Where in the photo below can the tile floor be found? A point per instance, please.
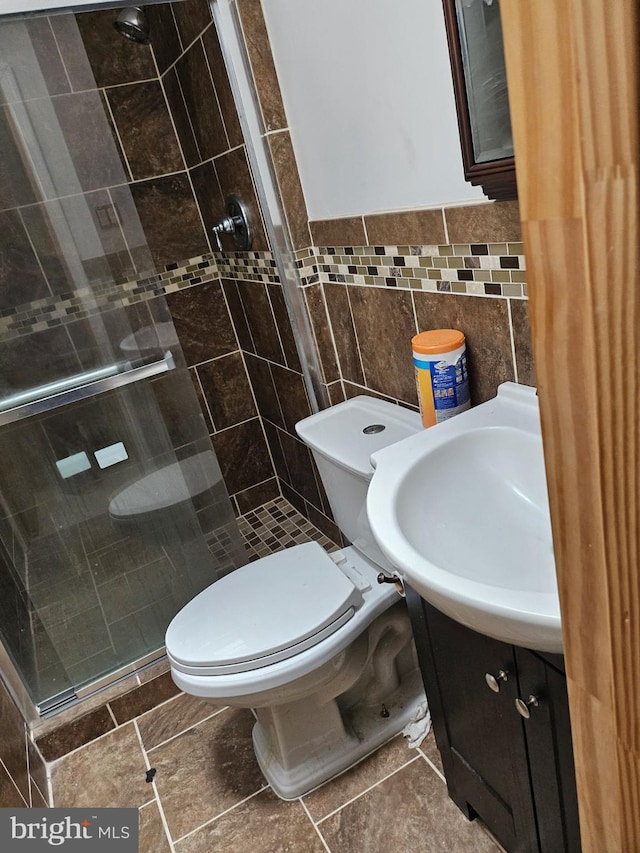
(208, 793)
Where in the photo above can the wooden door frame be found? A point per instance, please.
(572, 69)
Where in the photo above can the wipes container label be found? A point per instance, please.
(443, 385)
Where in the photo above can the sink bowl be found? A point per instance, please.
(461, 511)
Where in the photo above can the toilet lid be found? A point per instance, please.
(265, 611)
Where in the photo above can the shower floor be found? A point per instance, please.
(277, 525)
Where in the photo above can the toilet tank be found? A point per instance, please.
(342, 439)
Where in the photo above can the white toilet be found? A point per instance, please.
(321, 652)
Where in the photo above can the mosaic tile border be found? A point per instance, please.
(474, 269)
(87, 301)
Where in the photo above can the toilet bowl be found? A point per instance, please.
(321, 652)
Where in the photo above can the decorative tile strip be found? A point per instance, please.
(479, 269)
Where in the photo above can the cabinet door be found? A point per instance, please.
(479, 732)
(548, 736)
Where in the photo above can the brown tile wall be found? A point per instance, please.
(23, 775)
(363, 333)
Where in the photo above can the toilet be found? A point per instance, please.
(319, 650)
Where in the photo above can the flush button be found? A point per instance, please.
(373, 428)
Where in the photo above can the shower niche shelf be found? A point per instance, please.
(80, 386)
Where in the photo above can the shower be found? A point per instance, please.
(133, 24)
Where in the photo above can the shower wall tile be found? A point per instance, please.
(286, 169)
(145, 129)
(170, 218)
(202, 322)
(283, 323)
(178, 109)
(234, 177)
(201, 102)
(21, 278)
(114, 59)
(290, 388)
(263, 68)
(243, 455)
(227, 390)
(209, 197)
(192, 17)
(48, 56)
(257, 309)
(238, 316)
(297, 457)
(37, 220)
(264, 389)
(73, 52)
(164, 37)
(222, 86)
(93, 151)
(257, 496)
(17, 184)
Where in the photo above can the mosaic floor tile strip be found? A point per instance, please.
(277, 525)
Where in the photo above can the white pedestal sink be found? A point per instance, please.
(461, 510)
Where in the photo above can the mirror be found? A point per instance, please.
(474, 33)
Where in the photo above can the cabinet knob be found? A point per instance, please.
(522, 707)
(494, 680)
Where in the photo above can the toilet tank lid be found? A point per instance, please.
(261, 609)
(347, 434)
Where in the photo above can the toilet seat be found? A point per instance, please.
(165, 487)
(265, 612)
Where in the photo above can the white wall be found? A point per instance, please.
(369, 99)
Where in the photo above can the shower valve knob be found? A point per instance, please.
(236, 223)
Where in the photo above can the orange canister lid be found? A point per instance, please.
(437, 340)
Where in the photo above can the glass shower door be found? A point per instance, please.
(113, 511)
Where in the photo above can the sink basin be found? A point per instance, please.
(461, 510)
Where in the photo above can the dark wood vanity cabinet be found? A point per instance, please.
(516, 774)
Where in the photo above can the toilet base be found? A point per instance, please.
(337, 739)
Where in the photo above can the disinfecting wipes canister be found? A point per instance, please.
(440, 361)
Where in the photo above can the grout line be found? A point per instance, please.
(113, 716)
(204, 396)
(163, 817)
(226, 811)
(184, 49)
(355, 334)
(315, 825)
(432, 765)
(364, 227)
(215, 91)
(107, 106)
(370, 788)
(446, 228)
(513, 342)
(62, 62)
(188, 729)
(14, 784)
